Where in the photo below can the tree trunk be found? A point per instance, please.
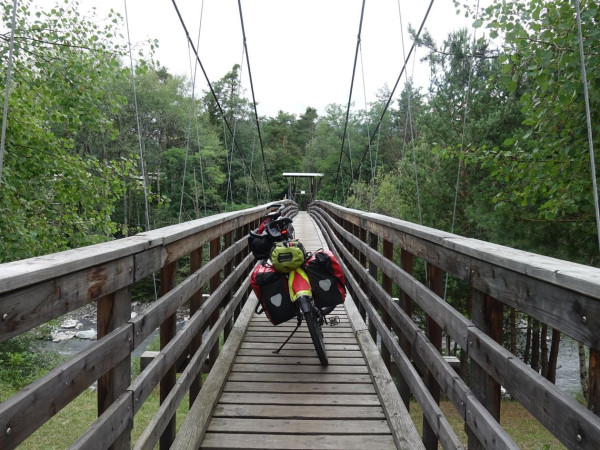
(544, 348)
(583, 370)
(527, 341)
(513, 331)
(535, 346)
(553, 360)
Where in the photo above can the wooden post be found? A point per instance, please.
(386, 282)
(407, 262)
(168, 329)
(373, 272)
(195, 303)
(486, 314)
(226, 272)
(434, 334)
(594, 382)
(113, 311)
(215, 248)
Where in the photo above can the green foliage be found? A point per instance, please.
(21, 362)
(54, 196)
(545, 164)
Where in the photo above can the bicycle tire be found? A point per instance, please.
(316, 334)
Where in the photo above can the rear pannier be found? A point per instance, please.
(326, 279)
(271, 288)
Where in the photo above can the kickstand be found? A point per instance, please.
(289, 337)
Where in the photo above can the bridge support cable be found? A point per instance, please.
(373, 168)
(262, 151)
(140, 140)
(462, 140)
(7, 92)
(387, 105)
(362, 12)
(193, 73)
(409, 122)
(212, 90)
(235, 113)
(195, 116)
(588, 117)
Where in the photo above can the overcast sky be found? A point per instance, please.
(301, 51)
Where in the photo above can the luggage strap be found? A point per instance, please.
(290, 336)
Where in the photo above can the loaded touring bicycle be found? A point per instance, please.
(291, 283)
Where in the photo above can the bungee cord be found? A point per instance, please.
(8, 81)
(588, 118)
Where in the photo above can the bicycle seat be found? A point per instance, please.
(278, 229)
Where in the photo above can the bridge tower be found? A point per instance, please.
(305, 191)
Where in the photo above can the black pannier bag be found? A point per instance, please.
(261, 246)
(326, 279)
(271, 288)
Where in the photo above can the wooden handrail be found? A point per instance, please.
(562, 294)
(38, 290)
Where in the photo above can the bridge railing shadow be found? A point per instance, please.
(381, 256)
(38, 290)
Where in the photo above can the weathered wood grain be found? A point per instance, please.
(36, 304)
(293, 441)
(573, 424)
(30, 408)
(299, 411)
(298, 427)
(425, 354)
(287, 368)
(322, 399)
(169, 405)
(403, 430)
(109, 428)
(194, 426)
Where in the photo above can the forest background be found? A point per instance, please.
(513, 168)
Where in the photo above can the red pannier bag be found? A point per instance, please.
(326, 279)
(271, 288)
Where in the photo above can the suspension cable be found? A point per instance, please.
(254, 99)
(588, 117)
(362, 11)
(397, 81)
(409, 122)
(210, 86)
(140, 142)
(193, 73)
(236, 110)
(8, 80)
(196, 115)
(139, 126)
(362, 68)
(462, 140)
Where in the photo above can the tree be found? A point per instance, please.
(54, 195)
(545, 163)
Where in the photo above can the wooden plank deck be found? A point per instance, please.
(289, 401)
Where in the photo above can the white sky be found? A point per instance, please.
(301, 51)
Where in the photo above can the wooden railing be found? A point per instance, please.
(380, 254)
(38, 290)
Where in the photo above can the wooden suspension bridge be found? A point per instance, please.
(380, 357)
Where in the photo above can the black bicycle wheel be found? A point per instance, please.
(316, 334)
